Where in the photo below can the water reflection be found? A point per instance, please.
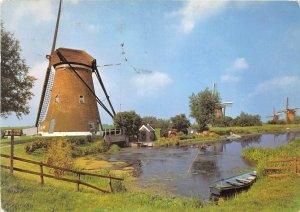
(190, 171)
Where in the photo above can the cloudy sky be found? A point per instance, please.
(174, 48)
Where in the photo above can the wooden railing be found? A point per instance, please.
(292, 167)
(42, 174)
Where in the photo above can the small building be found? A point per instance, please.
(146, 133)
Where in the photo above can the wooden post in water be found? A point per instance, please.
(42, 174)
(12, 153)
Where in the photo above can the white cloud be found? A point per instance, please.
(195, 11)
(239, 64)
(231, 73)
(41, 10)
(276, 84)
(230, 78)
(147, 84)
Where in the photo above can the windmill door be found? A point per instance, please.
(52, 124)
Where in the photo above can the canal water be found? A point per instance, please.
(189, 171)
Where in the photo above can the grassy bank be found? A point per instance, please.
(23, 192)
(265, 128)
(220, 133)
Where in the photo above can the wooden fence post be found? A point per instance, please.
(78, 183)
(295, 158)
(110, 185)
(42, 174)
(12, 153)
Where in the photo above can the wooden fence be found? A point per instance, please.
(42, 174)
(292, 167)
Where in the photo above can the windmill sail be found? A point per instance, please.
(48, 82)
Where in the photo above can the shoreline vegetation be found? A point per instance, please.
(22, 192)
(219, 134)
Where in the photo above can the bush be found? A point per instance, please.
(114, 148)
(36, 144)
(247, 120)
(97, 147)
(59, 154)
(223, 122)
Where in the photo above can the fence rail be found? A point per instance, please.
(293, 167)
(42, 174)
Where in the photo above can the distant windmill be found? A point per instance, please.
(290, 112)
(275, 116)
(220, 108)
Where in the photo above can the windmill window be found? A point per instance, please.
(91, 125)
(56, 99)
(81, 99)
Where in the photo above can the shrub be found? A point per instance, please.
(36, 144)
(97, 147)
(59, 154)
(247, 120)
(223, 122)
(114, 148)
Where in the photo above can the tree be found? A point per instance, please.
(180, 123)
(202, 106)
(129, 122)
(15, 81)
(223, 121)
(245, 119)
(164, 125)
(153, 121)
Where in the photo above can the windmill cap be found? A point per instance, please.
(72, 56)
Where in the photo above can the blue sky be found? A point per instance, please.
(249, 49)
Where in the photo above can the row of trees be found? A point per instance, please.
(130, 122)
(242, 120)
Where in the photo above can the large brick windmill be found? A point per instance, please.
(290, 112)
(68, 104)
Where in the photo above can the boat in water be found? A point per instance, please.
(233, 184)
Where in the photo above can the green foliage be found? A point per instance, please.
(180, 123)
(59, 154)
(36, 144)
(162, 124)
(202, 106)
(15, 81)
(93, 148)
(224, 121)
(114, 148)
(129, 122)
(297, 120)
(245, 119)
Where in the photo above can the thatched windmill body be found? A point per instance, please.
(290, 112)
(220, 109)
(68, 104)
(275, 116)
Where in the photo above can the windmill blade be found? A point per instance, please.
(103, 88)
(48, 68)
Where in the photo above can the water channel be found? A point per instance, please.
(189, 171)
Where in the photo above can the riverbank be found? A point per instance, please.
(220, 134)
(23, 192)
